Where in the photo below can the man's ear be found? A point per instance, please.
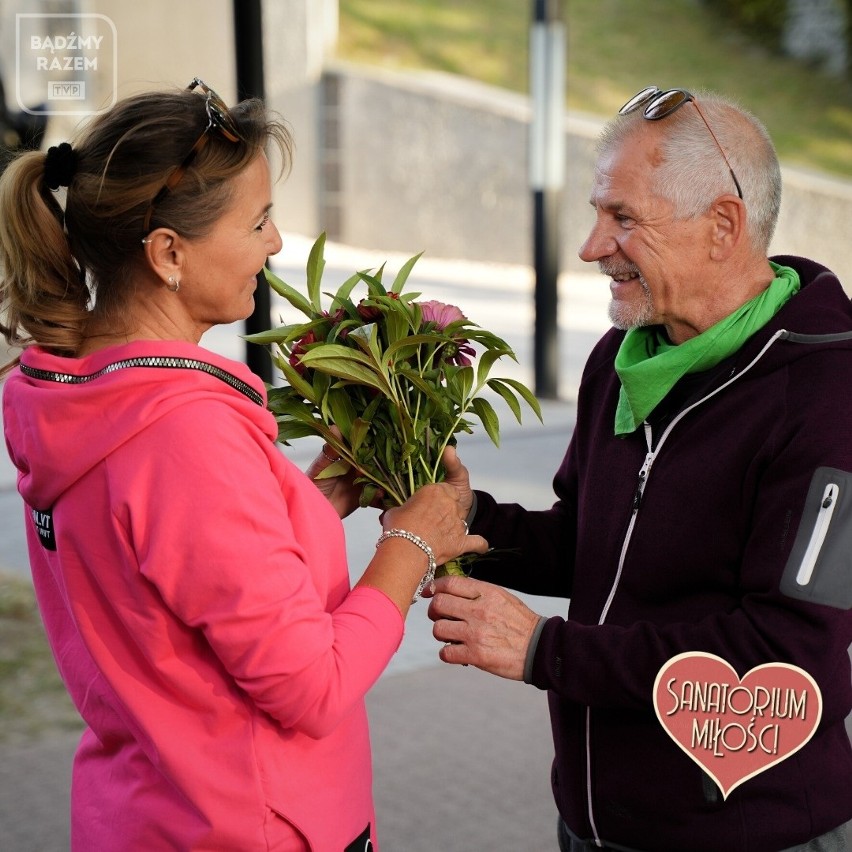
(165, 253)
(728, 217)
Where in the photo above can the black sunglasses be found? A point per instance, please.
(658, 104)
(219, 119)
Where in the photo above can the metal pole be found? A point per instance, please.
(547, 166)
(248, 40)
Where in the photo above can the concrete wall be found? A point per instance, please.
(438, 163)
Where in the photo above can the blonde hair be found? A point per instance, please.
(61, 265)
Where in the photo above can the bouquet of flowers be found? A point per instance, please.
(395, 375)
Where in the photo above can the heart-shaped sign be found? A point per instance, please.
(735, 728)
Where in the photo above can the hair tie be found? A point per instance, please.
(60, 166)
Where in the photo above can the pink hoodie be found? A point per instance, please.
(194, 588)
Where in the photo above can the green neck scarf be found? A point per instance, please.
(649, 366)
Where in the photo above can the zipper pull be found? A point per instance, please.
(637, 497)
(827, 505)
(643, 476)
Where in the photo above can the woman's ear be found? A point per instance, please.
(729, 223)
(164, 251)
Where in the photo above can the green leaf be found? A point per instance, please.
(359, 432)
(400, 348)
(314, 270)
(485, 412)
(421, 384)
(343, 413)
(489, 341)
(510, 398)
(318, 354)
(398, 320)
(527, 394)
(373, 407)
(404, 272)
(338, 468)
(290, 430)
(263, 338)
(293, 296)
(372, 352)
(346, 363)
(486, 362)
(297, 382)
(281, 334)
(346, 288)
(373, 282)
(461, 381)
(369, 492)
(320, 383)
(296, 409)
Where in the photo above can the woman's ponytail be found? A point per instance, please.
(43, 294)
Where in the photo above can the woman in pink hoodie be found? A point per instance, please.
(193, 582)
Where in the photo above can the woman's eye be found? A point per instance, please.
(263, 221)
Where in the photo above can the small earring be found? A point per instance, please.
(145, 240)
(174, 285)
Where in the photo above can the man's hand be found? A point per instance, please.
(456, 475)
(483, 625)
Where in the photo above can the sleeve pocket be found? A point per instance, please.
(819, 569)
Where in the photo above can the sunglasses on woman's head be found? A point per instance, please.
(658, 104)
(219, 119)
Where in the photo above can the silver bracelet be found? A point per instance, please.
(430, 555)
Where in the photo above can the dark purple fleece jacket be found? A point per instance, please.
(688, 555)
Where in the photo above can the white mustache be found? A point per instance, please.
(614, 270)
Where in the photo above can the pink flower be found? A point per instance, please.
(440, 314)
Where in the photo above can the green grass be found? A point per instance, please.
(33, 700)
(614, 47)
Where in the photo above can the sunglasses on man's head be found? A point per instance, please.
(658, 104)
(219, 119)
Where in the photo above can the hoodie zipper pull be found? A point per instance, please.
(637, 497)
(640, 486)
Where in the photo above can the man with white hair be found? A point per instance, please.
(711, 451)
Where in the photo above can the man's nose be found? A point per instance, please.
(597, 245)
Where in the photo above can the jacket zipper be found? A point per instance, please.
(650, 455)
(820, 530)
(644, 472)
(161, 361)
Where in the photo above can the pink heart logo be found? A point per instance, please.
(735, 728)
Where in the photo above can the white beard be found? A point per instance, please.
(626, 315)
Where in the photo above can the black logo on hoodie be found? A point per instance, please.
(44, 527)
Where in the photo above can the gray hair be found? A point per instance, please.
(692, 173)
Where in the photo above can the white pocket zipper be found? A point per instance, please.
(823, 521)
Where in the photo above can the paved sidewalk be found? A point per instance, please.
(461, 765)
